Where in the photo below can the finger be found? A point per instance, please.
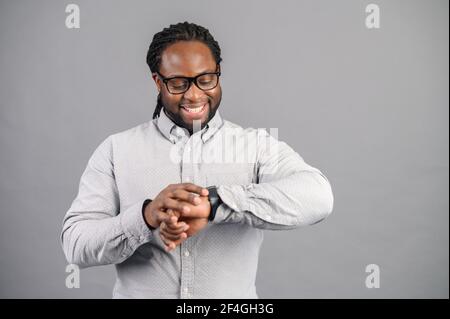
(184, 195)
(174, 237)
(171, 219)
(197, 213)
(194, 188)
(176, 228)
(174, 213)
(173, 204)
(169, 245)
(169, 237)
(164, 240)
(161, 217)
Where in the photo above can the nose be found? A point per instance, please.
(194, 93)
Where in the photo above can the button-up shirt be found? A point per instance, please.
(263, 183)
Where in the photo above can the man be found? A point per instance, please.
(167, 204)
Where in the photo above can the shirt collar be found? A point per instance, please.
(173, 132)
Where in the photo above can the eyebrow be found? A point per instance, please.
(184, 76)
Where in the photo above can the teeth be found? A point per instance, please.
(195, 109)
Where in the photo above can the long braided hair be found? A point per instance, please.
(183, 31)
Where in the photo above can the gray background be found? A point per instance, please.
(367, 107)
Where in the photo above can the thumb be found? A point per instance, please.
(171, 217)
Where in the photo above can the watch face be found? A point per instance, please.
(212, 191)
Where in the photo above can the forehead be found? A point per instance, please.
(187, 58)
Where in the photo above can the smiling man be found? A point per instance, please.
(181, 64)
(164, 203)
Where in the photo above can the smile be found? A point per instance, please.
(194, 109)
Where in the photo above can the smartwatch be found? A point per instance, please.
(214, 200)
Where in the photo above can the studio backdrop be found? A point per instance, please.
(358, 88)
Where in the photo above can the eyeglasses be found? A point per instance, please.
(180, 84)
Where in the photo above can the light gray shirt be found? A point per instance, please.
(263, 183)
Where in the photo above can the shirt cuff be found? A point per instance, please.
(134, 225)
(222, 212)
(234, 199)
(234, 196)
(146, 202)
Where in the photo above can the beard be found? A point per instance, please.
(178, 120)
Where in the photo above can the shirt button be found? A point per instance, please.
(186, 253)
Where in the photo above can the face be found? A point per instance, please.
(188, 58)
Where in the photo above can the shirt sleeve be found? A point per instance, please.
(94, 231)
(289, 193)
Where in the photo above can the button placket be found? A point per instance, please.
(187, 266)
(189, 174)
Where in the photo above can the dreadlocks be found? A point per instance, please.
(183, 31)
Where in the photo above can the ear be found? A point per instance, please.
(157, 81)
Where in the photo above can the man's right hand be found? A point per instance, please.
(174, 231)
(176, 197)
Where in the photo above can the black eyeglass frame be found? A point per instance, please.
(190, 80)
